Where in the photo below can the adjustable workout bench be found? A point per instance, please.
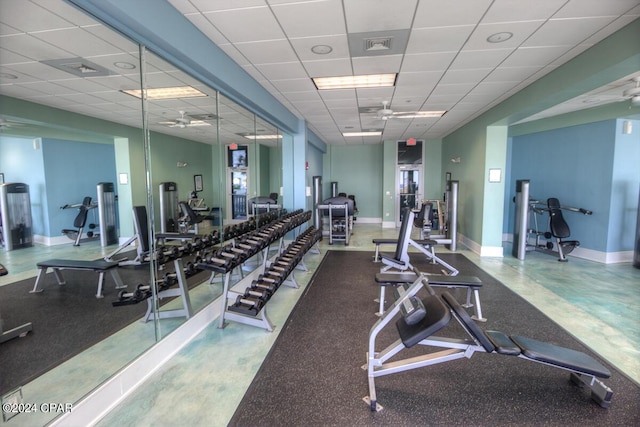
(439, 310)
(99, 266)
(400, 260)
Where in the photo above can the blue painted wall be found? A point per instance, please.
(586, 166)
(21, 161)
(72, 170)
(625, 185)
(58, 172)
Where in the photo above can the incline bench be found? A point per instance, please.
(584, 370)
(99, 266)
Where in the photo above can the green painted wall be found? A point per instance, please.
(358, 171)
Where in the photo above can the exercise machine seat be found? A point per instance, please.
(437, 317)
(189, 214)
(80, 221)
(559, 228)
(81, 218)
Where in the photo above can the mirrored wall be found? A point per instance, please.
(63, 134)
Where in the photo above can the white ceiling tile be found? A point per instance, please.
(378, 15)
(338, 43)
(424, 79)
(183, 6)
(516, 10)
(77, 42)
(566, 31)
(327, 18)
(479, 58)
(6, 30)
(208, 5)
(520, 30)
(233, 23)
(438, 61)
(452, 89)
(312, 95)
(283, 71)
(294, 85)
(272, 41)
(467, 77)
(432, 13)
(366, 94)
(267, 52)
(27, 16)
(376, 64)
(535, 55)
(583, 8)
(329, 68)
(511, 74)
(32, 47)
(445, 39)
(203, 24)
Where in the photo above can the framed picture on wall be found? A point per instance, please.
(197, 182)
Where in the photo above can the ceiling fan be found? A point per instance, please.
(6, 124)
(633, 93)
(387, 113)
(180, 122)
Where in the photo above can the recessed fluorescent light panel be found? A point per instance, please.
(262, 136)
(374, 133)
(352, 82)
(420, 114)
(177, 92)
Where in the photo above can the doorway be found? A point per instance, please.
(409, 177)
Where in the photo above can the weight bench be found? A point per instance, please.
(585, 371)
(471, 283)
(99, 266)
(400, 260)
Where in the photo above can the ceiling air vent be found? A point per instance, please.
(79, 67)
(380, 43)
(373, 43)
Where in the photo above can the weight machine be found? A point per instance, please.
(443, 227)
(80, 221)
(16, 224)
(528, 236)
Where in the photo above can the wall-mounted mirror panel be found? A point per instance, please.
(63, 134)
(69, 132)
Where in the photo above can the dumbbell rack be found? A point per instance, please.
(229, 257)
(181, 291)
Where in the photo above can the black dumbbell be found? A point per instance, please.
(264, 286)
(261, 294)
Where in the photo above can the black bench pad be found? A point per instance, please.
(560, 356)
(99, 265)
(434, 279)
(436, 318)
(422, 242)
(503, 343)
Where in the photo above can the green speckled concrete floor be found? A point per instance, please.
(202, 385)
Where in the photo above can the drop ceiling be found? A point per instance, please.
(447, 62)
